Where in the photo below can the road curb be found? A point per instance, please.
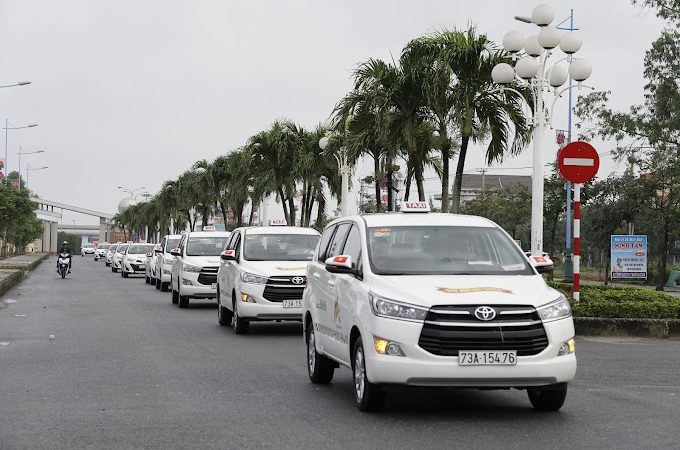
(12, 274)
(647, 328)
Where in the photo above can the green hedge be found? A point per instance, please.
(624, 302)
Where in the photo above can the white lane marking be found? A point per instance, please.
(578, 162)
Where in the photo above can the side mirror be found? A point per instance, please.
(176, 252)
(228, 255)
(340, 264)
(540, 265)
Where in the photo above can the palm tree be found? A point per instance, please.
(480, 108)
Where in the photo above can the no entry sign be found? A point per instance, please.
(578, 162)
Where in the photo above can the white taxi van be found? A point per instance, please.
(194, 269)
(423, 299)
(134, 260)
(263, 274)
(163, 260)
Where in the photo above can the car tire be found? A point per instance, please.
(369, 396)
(114, 270)
(107, 264)
(183, 301)
(175, 297)
(123, 273)
(164, 287)
(319, 368)
(550, 398)
(224, 316)
(240, 325)
(158, 284)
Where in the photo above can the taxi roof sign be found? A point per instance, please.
(413, 207)
(278, 223)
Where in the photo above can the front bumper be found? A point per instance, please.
(421, 368)
(190, 287)
(135, 268)
(263, 309)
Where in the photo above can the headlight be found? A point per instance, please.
(558, 309)
(190, 268)
(396, 310)
(252, 278)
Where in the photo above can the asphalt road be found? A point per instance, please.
(130, 370)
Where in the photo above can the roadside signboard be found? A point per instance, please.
(628, 256)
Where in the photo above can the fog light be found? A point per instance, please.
(567, 348)
(186, 282)
(385, 347)
(247, 298)
(166, 272)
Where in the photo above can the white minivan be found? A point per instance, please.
(423, 299)
(134, 260)
(163, 260)
(194, 269)
(263, 274)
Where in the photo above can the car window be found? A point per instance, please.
(206, 245)
(138, 249)
(444, 250)
(103, 246)
(323, 244)
(336, 244)
(279, 247)
(170, 244)
(122, 248)
(353, 245)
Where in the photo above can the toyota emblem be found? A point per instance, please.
(485, 313)
(298, 280)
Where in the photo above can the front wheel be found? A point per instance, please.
(549, 398)
(239, 324)
(319, 368)
(369, 396)
(63, 272)
(175, 297)
(224, 316)
(147, 280)
(183, 301)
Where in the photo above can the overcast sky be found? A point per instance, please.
(132, 92)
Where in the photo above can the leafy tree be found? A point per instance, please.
(19, 225)
(509, 207)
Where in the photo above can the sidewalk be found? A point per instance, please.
(14, 269)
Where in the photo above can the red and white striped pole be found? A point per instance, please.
(577, 241)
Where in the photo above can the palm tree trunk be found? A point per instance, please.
(377, 178)
(291, 210)
(283, 203)
(446, 156)
(252, 212)
(322, 209)
(225, 216)
(420, 180)
(458, 182)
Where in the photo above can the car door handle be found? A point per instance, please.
(316, 275)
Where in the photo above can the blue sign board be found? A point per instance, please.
(629, 256)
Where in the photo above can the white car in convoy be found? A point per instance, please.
(425, 299)
(109, 254)
(194, 269)
(150, 265)
(87, 249)
(263, 274)
(117, 259)
(134, 259)
(163, 261)
(101, 251)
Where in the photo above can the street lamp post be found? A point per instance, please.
(344, 169)
(531, 69)
(7, 128)
(22, 152)
(133, 192)
(31, 169)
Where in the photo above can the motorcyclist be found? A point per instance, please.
(66, 249)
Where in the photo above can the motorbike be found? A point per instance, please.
(62, 265)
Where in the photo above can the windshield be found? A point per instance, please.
(88, 245)
(280, 247)
(206, 245)
(139, 249)
(172, 243)
(103, 246)
(445, 250)
(113, 248)
(122, 248)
